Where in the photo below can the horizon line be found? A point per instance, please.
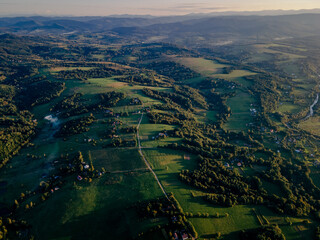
(155, 15)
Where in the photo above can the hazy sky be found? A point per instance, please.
(153, 7)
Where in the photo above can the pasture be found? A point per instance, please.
(289, 108)
(59, 69)
(203, 66)
(284, 53)
(97, 209)
(311, 125)
(240, 106)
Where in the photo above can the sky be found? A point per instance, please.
(145, 7)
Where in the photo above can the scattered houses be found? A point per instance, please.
(160, 135)
(135, 101)
(185, 236)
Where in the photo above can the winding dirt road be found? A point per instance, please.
(146, 162)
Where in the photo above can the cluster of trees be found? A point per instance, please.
(75, 165)
(265, 88)
(156, 208)
(226, 187)
(74, 105)
(85, 168)
(16, 130)
(266, 232)
(182, 97)
(41, 92)
(75, 126)
(171, 208)
(167, 118)
(170, 98)
(205, 215)
(228, 70)
(142, 79)
(17, 126)
(198, 100)
(13, 229)
(172, 70)
(129, 130)
(135, 101)
(71, 106)
(34, 79)
(110, 99)
(114, 129)
(119, 142)
(101, 72)
(204, 139)
(317, 233)
(218, 103)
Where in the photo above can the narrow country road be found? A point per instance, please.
(146, 162)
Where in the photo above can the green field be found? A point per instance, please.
(260, 57)
(289, 108)
(201, 65)
(206, 116)
(311, 125)
(240, 107)
(266, 48)
(149, 133)
(94, 207)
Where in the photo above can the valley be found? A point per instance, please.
(125, 139)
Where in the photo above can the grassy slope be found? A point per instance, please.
(97, 209)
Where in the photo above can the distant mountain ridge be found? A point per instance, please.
(232, 27)
(173, 28)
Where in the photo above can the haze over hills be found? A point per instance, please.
(214, 13)
(176, 29)
(233, 28)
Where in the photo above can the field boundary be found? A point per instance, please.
(146, 162)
